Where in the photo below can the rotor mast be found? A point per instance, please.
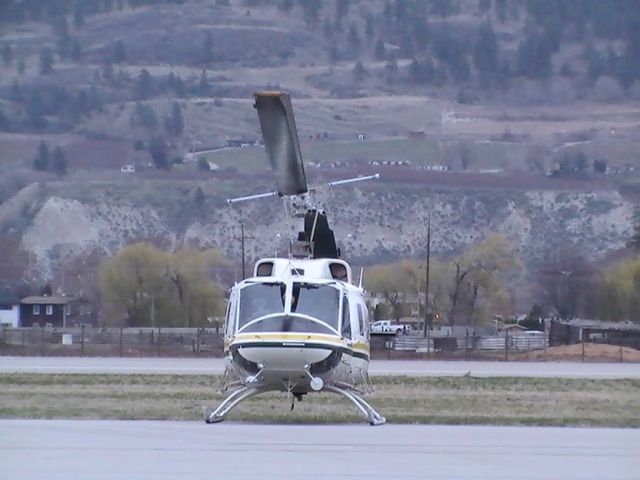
(285, 158)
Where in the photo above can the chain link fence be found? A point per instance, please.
(92, 341)
(185, 342)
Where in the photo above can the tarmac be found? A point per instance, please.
(62, 449)
(194, 366)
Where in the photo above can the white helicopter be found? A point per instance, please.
(299, 324)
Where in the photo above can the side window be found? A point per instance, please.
(36, 309)
(361, 320)
(49, 310)
(230, 316)
(346, 318)
(365, 313)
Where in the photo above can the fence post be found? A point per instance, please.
(506, 346)
(24, 334)
(120, 342)
(42, 341)
(621, 353)
(81, 340)
(583, 347)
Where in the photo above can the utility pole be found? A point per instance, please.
(242, 239)
(427, 309)
(242, 246)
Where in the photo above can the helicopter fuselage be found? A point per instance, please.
(297, 320)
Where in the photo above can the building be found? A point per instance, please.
(128, 169)
(54, 311)
(566, 332)
(242, 142)
(417, 135)
(9, 310)
(49, 311)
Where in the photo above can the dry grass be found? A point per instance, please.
(466, 400)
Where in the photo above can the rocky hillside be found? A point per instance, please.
(477, 87)
(375, 223)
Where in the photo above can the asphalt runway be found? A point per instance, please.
(192, 366)
(61, 449)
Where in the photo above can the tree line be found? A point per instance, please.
(483, 282)
(145, 285)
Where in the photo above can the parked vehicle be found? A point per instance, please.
(385, 326)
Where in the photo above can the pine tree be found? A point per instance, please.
(59, 161)
(199, 198)
(119, 52)
(634, 241)
(46, 61)
(285, 5)
(41, 162)
(174, 123)
(379, 51)
(354, 36)
(485, 51)
(342, 8)
(78, 15)
(203, 165)
(159, 154)
(203, 84)
(144, 85)
(145, 115)
(311, 10)
(327, 28)
(501, 10)
(7, 54)
(359, 72)
(484, 6)
(207, 48)
(369, 26)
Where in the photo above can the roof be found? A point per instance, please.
(512, 326)
(46, 300)
(601, 325)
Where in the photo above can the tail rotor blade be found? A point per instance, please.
(281, 141)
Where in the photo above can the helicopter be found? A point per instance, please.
(299, 324)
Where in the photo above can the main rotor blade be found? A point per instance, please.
(281, 141)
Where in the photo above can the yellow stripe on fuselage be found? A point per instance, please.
(289, 337)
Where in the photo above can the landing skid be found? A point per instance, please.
(242, 393)
(373, 417)
(231, 401)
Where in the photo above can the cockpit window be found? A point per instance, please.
(317, 301)
(261, 299)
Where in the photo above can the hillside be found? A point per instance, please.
(506, 115)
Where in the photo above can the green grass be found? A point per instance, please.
(448, 400)
(418, 152)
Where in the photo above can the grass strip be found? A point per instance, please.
(423, 400)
